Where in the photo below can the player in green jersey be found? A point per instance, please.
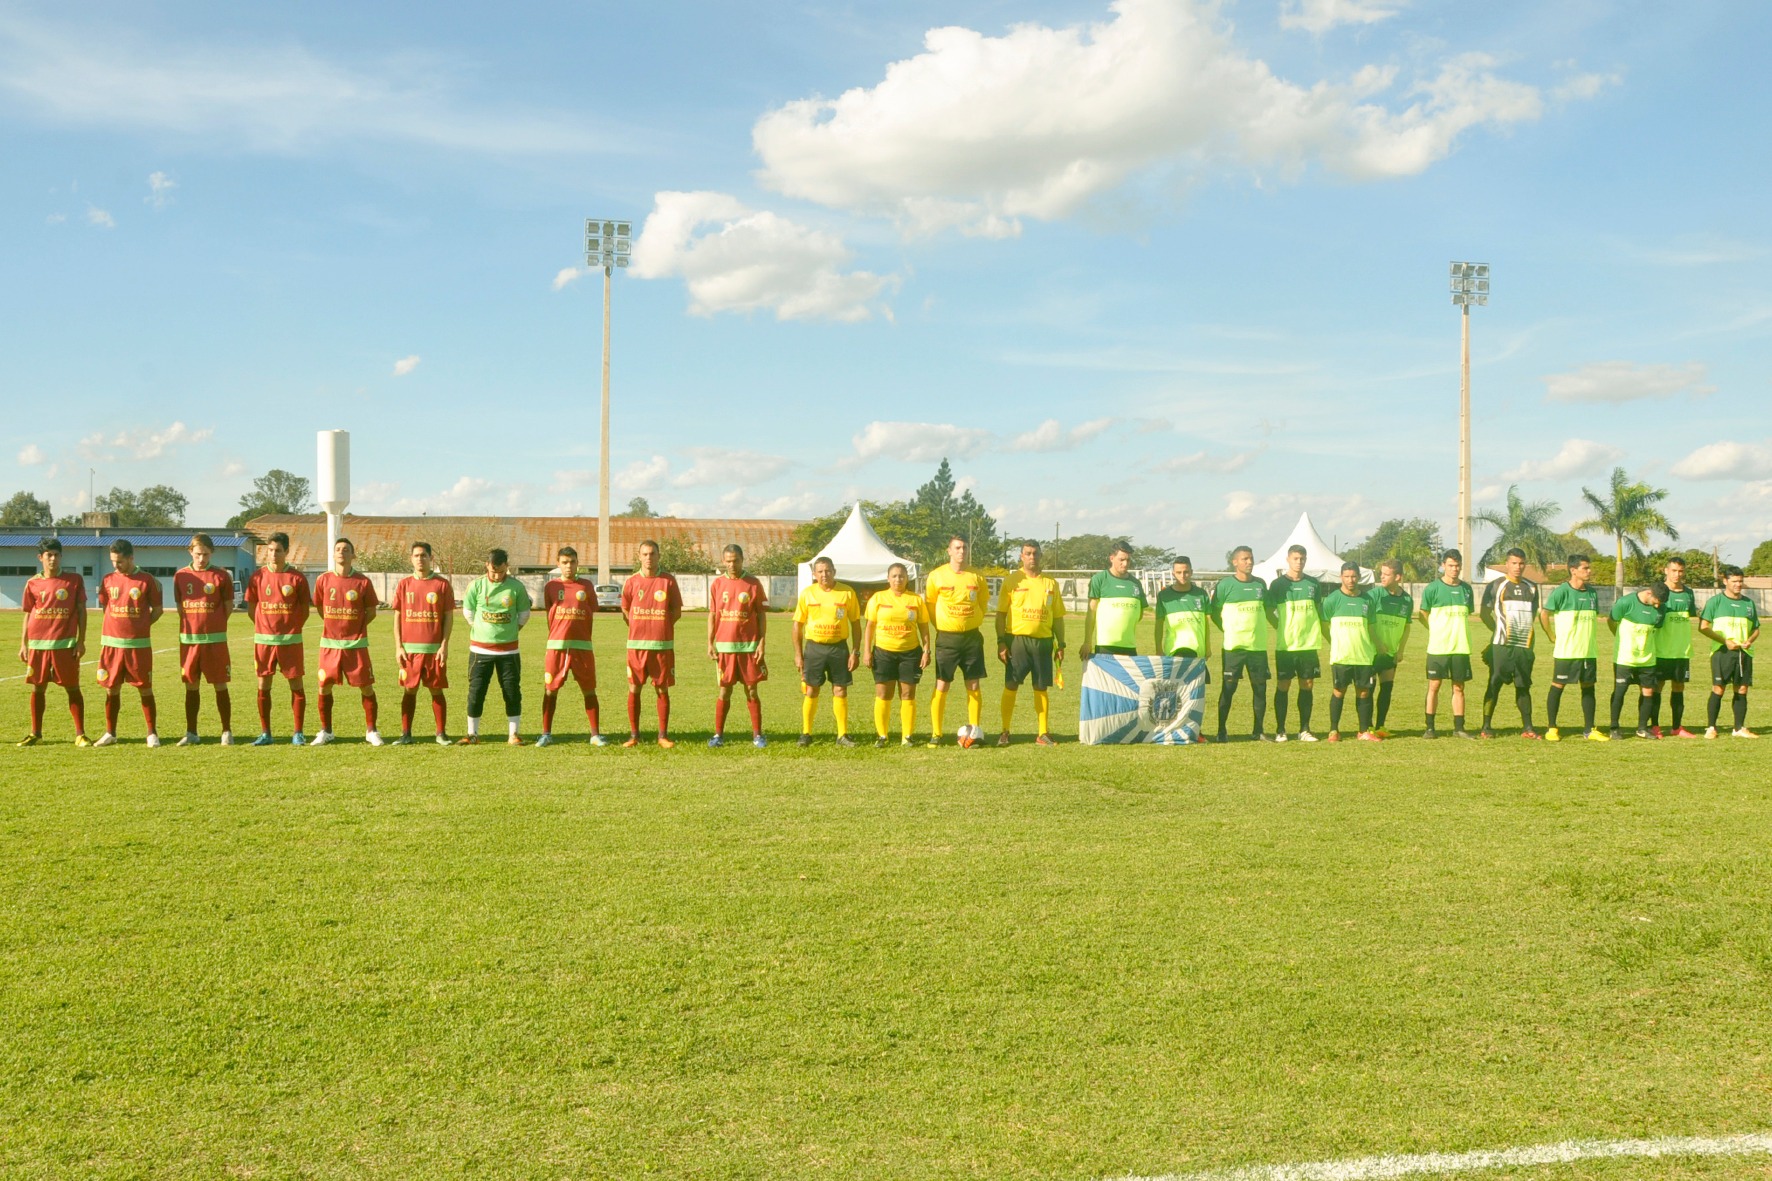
(1447, 604)
(1731, 622)
(1635, 619)
(1116, 604)
(1298, 632)
(1673, 648)
(1184, 614)
(1353, 649)
(1568, 617)
(1238, 611)
(1394, 607)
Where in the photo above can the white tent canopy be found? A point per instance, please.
(1320, 560)
(859, 553)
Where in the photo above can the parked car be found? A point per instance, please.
(609, 597)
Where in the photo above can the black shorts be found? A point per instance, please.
(825, 661)
(1357, 675)
(1303, 665)
(963, 651)
(1236, 662)
(1030, 659)
(1732, 667)
(1383, 664)
(1112, 650)
(1674, 669)
(1507, 663)
(1189, 654)
(1449, 666)
(1636, 674)
(904, 667)
(1581, 672)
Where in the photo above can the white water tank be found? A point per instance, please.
(333, 483)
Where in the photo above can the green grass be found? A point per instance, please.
(1068, 963)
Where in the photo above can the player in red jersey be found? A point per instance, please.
(347, 602)
(651, 603)
(279, 600)
(737, 627)
(130, 601)
(424, 616)
(54, 639)
(204, 596)
(571, 604)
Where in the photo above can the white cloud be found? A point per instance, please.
(233, 469)
(1576, 457)
(1319, 16)
(30, 455)
(979, 132)
(160, 188)
(572, 480)
(721, 465)
(1623, 381)
(1202, 461)
(1727, 461)
(1699, 250)
(100, 218)
(1581, 87)
(56, 219)
(142, 442)
(737, 260)
(283, 99)
(405, 365)
(468, 496)
(1052, 436)
(918, 442)
(642, 475)
(1238, 505)
(566, 275)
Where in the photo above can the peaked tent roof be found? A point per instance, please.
(1320, 560)
(859, 553)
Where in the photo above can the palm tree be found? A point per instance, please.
(1522, 525)
(1629, 514)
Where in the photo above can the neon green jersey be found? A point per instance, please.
(1292, 608)
(1183, 616)
(1391, 623)
(1734, 619)
(1574, 612)
(1242, 617)
(1674, 640)
(1119, 604)
(1350, 627)
(1449, 608)
(1637, 624)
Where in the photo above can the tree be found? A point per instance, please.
(158, 507)
(25, 511)
(1414, 542)
(677, 554)
(918, 528)
(1523, 526)
(637, 507)
(1627, 512)
(777, 559)
(1761, 562)
(275, 492)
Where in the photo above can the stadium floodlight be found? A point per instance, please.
(1470, 288)
(608, 244)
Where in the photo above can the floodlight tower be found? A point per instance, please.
(1470, 288)
(606, 245)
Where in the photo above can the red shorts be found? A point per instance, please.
(126, 666)
(205, 662)
(288, 659)
(349, 666)
(53, 666)
(423, 668)
(741, 668)
(649, 664)
(582, 664)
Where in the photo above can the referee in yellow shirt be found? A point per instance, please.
(1030, 637)
(957, 600)
(827, 638)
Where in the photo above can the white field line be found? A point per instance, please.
(83, 664)
(1370, 1167)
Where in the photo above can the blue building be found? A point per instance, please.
(160, 552)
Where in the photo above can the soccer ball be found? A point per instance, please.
(969, 736)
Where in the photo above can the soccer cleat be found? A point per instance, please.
(153, 739)
(190, 739)
(880, 743)
(599, 740)
(804, 740)
(1270, 738)
(1003, 738)
(1529, 734)
(1333, 736)
(666, 743)
(1429, 733)
(715, 743)
(1744, 732)
(758, 741)
(1643, 732)
(468, 740)
(1306, 736)
(1655, 730)
(372, 737)
(81, 740)
(514, 740)
(322, 738)
(1553, 735)
(1382, 732)
(1044, 740)
(1485, 732)
(298, 739)
(264, 739)
(106, 739)
(1466, 734)
(633, 741)
(906, 742)
(403, 740)
(444, 740)
(935, 740)
(1616, 735)
(1598, 735)
(843, 740)
(1370, 736)
(1280, 737)
(546, 739)
(1222, 737)
(227, 738)
(30, 740)
(1682, 732)
(1710, 731)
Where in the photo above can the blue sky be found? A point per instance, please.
(1159, 267)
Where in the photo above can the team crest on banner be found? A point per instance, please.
(1128, 699)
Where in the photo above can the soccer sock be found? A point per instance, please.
(408, 707)
(77, 707)
(755, 706)
(1740, 704)
(974, 706)
(513, 723)
(298, 698)
(473, 727)
(1042, 711)
(1712, 708)
(151, 714)
(38, 700)
(1384, 701)
(664, 712)
(325, 712)
(938, 704)
(439, 711)
(1490, 696)
(1008, 708)
(592, 717)
(1363, 708)
(1588, 705)
(112, 705)
(1458, 721)
(370, 710)
(1258, 703)
(840, 708)
(722, 703)
(882, 716)
(1553, 701)
(224, 707)
(634, 712)
(1645, 710)
(1676, 705)
(1224, 704)
(808, 711)
(193, 703)
(1617, 703)
(264, 711)
(1305, 699)
(1335, 704)
(907, 716)
(1655, 711)
(547, 712)
(1430, 720)
(1282, 698)
(1523, 703)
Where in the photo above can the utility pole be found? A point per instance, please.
(606, 246)
(1470, 288)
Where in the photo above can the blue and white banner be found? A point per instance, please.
(1160, 699)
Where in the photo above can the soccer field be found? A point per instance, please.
(1071, 963)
